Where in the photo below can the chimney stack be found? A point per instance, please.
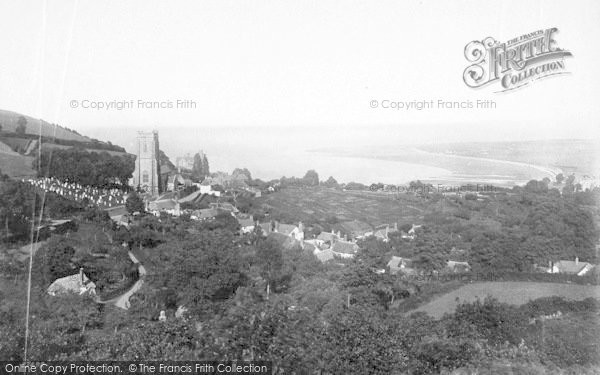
(81, 275)
(396, 225)
(576, 260)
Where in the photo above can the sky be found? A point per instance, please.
(314, 65)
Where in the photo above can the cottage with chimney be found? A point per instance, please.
(78, 283)
(570, 267)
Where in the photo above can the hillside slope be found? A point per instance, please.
(17, 151)
(8, 120)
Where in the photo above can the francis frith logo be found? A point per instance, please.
(515, 63)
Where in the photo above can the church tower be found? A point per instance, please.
(147, 173)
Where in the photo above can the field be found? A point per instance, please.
(16, 165)
(514, 293)
(343, 210)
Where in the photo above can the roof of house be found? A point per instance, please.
(70, 284)
(286, 229)
(326, 236)
(285, 241)
(344, 247)
(167, 204)
(324, 255)
(206, 213)
(570, 266)
(190, 197)
(176, 178)
(395, 262)
(248, 222)
(383, 232)
(266, 227)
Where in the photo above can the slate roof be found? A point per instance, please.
(286, 229)
(206, 213)
(326, 236)
(249, 222)
(571, 267)
(71, 284)
(167, 204)
(344, 247)
(396, 262)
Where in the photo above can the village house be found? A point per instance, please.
(383, 234)
(570, 267)
(399, 264)
(78, 283)
(177, 182)
(344, 249)
(247, 225)
(296, 232)
(170, 206)
(206, 188)
(266, 228)
(411, 234)
(327, 238)
(204, 214)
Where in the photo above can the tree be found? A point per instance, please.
(200, 168)
(134, 203)
(239, 171)
(98, 169)
(21, 125)
(270, 259)
(560, 178)
(331, 182)
(54, 260)
(311, 178)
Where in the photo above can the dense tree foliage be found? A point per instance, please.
(200, 167)
(99, 169)
(134, 203)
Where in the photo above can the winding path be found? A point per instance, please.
(122, 301)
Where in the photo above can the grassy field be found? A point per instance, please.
(16, 166)
(340, 209)
(514, 293)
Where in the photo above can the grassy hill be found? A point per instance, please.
(9, 119)
(17, 151)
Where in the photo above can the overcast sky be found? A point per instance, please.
(293, 64)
